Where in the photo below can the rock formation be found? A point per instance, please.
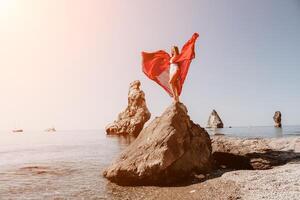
(168, 150)
(257, 153)
(277, 119)
(214, 121)
(132, 120)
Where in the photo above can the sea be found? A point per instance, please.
(69, 164)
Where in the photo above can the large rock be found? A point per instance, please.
(132, 120)
(255, 153)
(277, 119)
(168, 150)
(214, 121)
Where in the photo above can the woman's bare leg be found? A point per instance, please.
(173, 84)
(176, 91)
(172, 89)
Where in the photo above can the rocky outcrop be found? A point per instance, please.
(277, 119)
(168, 150)
(258, 153)
(214, 121)
(132, 120)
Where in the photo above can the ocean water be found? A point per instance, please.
(257, 131)
(68, 164)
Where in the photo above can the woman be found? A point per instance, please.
(174, 73)
(170, 71)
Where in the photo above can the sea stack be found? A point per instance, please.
(214, 121)
(167, 151)
(131, 121)
(277, 119)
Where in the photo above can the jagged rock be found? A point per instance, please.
(214, 121)
(168, 150)
(255, 153)
(277, 119)
(132, 120)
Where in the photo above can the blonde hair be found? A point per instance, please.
(174, 50)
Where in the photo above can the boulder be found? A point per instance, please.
(254, 153)
(131, 121)
(167, 151)
(277, 119)
(214, 121)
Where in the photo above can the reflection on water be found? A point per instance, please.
(68, 165)
(123, 139)
(278, 132)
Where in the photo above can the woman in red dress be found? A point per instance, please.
(170, 72)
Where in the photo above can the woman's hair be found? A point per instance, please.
(175, 50)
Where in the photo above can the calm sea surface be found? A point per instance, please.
(68, 164)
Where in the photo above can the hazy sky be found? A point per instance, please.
(69, 63)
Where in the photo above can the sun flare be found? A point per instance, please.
(6, 7)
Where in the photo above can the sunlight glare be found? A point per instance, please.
(6, 7)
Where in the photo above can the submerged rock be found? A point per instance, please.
(168, 150)
(254, 153)
(132, 120)
(214, 121)
(277, 119)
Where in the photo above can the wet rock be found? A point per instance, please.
(220, 134)
(214, 121)
(277, 119)
(132, 120)
(256, 153)
(168, 150)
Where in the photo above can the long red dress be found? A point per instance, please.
(156, 65)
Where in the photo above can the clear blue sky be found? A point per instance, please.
(69, 63)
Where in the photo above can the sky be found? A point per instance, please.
(68, 63)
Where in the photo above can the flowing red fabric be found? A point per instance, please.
(156, 64)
